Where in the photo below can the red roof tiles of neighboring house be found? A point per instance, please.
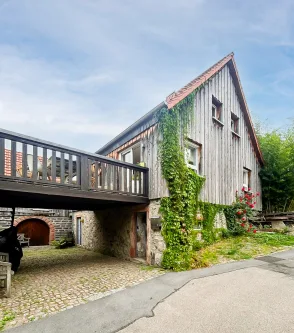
(7, 169)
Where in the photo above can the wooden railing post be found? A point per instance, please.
(84, 173)
(146, 183)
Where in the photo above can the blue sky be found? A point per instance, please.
(78, 72)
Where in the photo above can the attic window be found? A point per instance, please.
(234, 123)
(216, 109)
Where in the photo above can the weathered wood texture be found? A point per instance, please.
(149, 152)
(223, 154)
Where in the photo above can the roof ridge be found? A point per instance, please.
(177, 96)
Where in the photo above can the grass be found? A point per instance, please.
(241, 247)
(8, 316)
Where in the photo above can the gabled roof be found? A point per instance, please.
(174, 98)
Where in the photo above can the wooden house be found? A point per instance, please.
(221, 145)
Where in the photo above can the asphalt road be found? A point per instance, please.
(248, 296)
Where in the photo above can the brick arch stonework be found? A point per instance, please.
(42, 218)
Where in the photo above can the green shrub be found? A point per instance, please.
(63, 243)
(197, 245)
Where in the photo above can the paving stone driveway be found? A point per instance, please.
(51, 280)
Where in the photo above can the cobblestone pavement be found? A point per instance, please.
(50, 280)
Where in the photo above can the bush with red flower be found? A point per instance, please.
(239, 213)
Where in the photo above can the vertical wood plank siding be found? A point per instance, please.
(223, 155)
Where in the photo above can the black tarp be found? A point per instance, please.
(10, 244)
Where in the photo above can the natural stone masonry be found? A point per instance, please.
(51, 280)
(59, 221)
(107, 231)
(157, 245)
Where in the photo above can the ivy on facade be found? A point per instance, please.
(179, 209)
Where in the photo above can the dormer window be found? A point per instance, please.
(216, 110)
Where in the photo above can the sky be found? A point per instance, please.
(78, 72)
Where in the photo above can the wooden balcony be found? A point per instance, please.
(35, 173)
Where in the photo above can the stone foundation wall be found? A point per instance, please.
(157, 243)
(61, 219)
(107, 231)
(113, 231)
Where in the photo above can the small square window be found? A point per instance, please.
(234, 123)
(192, 156)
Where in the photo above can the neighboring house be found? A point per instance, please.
(41, 225)
(221, 145)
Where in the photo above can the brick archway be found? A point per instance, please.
(42, 218)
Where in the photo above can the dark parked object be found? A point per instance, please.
(10, 244)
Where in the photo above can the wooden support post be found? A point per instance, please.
(12, 216)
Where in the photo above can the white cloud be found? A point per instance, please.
(77, 71)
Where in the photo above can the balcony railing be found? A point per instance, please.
(30, 160)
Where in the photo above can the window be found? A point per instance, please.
(192, 156)
(246, 179)
(216, 109)
(132, 155)
(79, 231)
(234, 123)
(132, 180)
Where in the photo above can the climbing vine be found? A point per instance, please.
(209, 212)
(179, 209)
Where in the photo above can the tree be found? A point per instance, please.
(277, 175)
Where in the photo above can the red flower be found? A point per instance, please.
(254, 202)
(249, 189)
(239, 212)
(242, 225)
(244, 218)
(257, 194)
(243, 189)
(251, 226)
(251, 206)
(254, 231)
(244, 211)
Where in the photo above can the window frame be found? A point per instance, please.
(79, 230)
(217, 113)
(248, 185)
(197, 147)
(235, 121)
(130, 150)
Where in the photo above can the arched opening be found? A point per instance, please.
(37, 230)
